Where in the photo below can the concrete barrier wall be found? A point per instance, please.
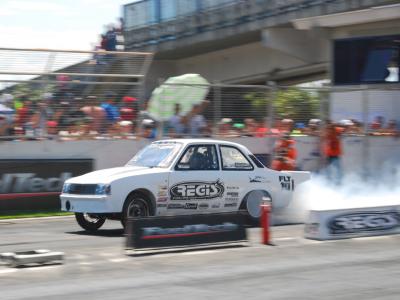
(360, 153)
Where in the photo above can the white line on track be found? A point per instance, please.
(118, 260)
(86, 263)
(199, 252)
(106, 254)
(8, 271)
(42, 268)
(80, 257)
(372, 238)
(285, 239)
(21, 220)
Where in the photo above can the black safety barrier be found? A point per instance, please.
(35, 184)
(185, 230)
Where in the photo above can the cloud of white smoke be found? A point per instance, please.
(380, 189)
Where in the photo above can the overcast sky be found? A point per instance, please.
(56, 24)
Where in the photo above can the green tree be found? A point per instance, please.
(297, 104)
(31, 90)
(258, 104)
(292, 103)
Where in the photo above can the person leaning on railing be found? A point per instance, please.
(112, 112)
(128, 112)
(94, 112)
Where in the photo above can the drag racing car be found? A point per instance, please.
(175, 177)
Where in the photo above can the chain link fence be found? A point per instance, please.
(64, 107)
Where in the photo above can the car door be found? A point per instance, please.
(195, 181)
(238, 174)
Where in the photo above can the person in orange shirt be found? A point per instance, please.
(283, 163)
(285, 154)
(332, 148)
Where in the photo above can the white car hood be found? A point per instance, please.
(108, 175)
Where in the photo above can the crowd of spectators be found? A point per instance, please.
(65, 116)
(192, 124)
(250, 127)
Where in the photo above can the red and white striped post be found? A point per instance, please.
(265, 221)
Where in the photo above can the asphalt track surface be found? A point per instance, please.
(96, 267)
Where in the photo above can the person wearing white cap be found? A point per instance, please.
(313, 128)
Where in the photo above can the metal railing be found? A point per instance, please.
(145, 12)
(46, 92)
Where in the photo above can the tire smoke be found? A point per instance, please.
(354, 191)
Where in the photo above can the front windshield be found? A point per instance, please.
(158, 154)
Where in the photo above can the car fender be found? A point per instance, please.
(299, 176)
(150, 185)
(148, 195)
(288, 182)
(268, 181)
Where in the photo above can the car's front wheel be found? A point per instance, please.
(135, 206)
(89, 222)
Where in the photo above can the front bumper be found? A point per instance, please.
(86, 203)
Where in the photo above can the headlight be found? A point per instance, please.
(65, 188)
(103, 189)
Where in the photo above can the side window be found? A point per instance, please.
(233, 159)
(256, 161)
(198, 157)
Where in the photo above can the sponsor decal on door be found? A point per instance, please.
(197, 190)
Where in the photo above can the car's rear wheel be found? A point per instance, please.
(252, 203)
(89, 222)
(135, 206)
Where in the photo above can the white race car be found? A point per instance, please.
(175, 177)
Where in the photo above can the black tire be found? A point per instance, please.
(252, 206)
(136, 205)
(89, 222)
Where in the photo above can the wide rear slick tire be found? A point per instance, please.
(136, 206)
(251, 204)
(89, 222)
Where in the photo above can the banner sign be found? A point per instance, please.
(355, 222)
(31, 184)
(185, 230)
